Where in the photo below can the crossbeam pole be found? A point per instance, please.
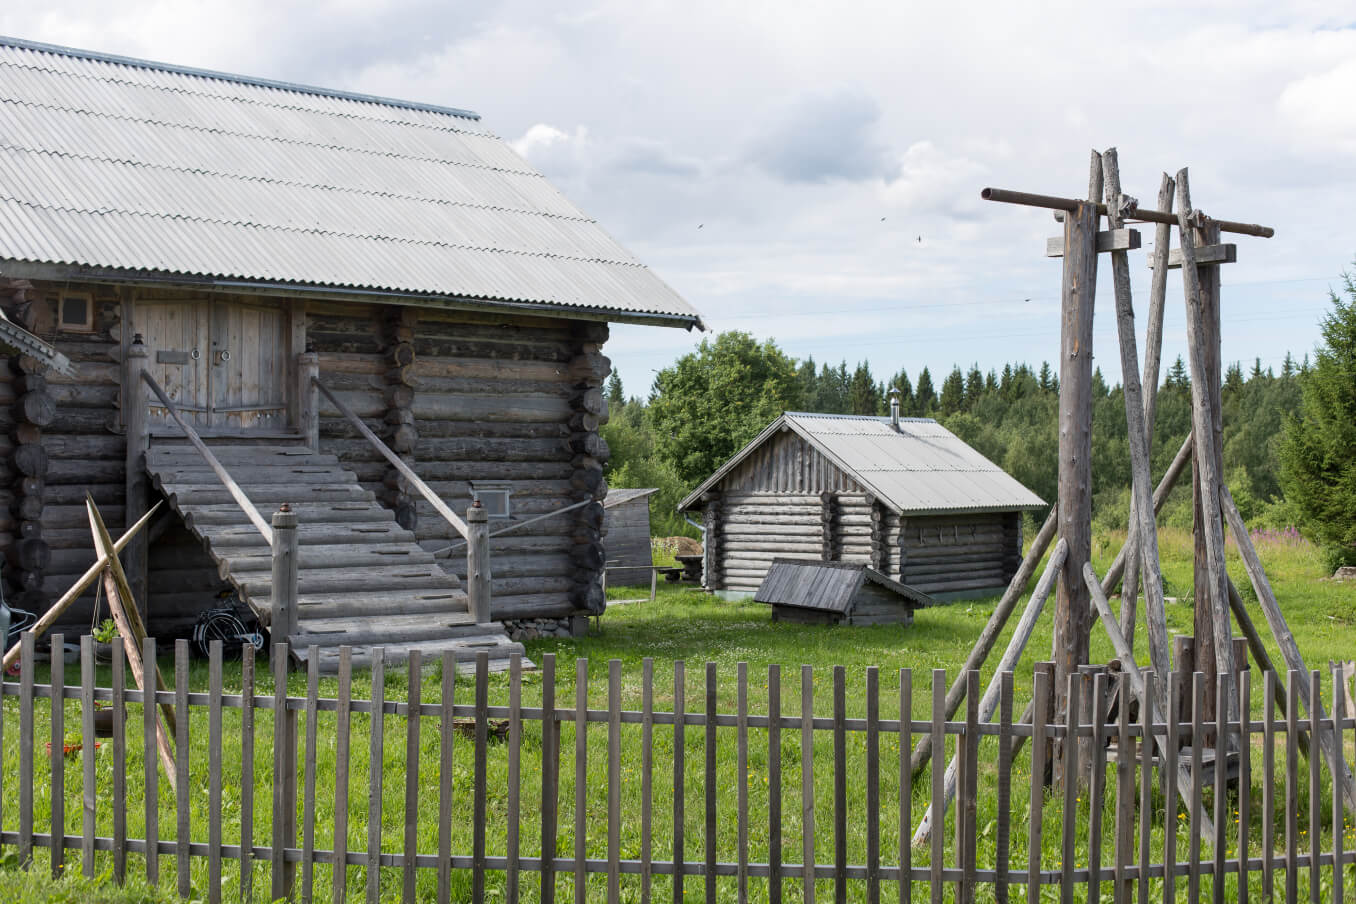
(1051, 202)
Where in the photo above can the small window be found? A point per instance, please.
(76, 312)
(494, 497)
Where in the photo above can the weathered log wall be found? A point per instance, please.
(786, 463)
(958, 554)
(756, 528)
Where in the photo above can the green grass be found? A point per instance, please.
(687, 625)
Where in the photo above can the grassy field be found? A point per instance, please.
(682, 625)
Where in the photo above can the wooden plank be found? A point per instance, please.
(1285, 640)
(343, 722)
(308, 806)
(1197, 784)
(742, 776)
(26, 745)
(967, 805)
(1003, 830)
(938, 852)
(1206, 255)
(1040, 717)
(1292, 681)
(614, 777)
(118, 686)
(87, 740)
(183, 808)
(1148, 728)
(1117, 239)
(646, 775)
(512, 843)
(248, 705)
(840, 784)
(446, 762)
(774, 783)
(581, 778)
(479, 794)
(1268, 786)
(56, 757)
(1244, 783)
(905, 785)
(679, 778)
(1097, 786)
(279, 653)
(414, 699)
(1125, 795)
(214, 784)
(807, 783)
(1072, 780)
(709, 786)
(1339, 688)
(550, 771)
(872, 785)
(375, 772)
(1222, 753)
(1315, 791)
(151, 732)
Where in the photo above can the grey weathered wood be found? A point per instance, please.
(214, 783)
(1245, 783)
(1206, 255)
(217, 467)
(905, 786)
(1097, 787)
(247, 773)
(414, 686)
(614, 779)
(1339, 691)
(27, 743)
(1011, 655)
(396, 462)
(1125, 795)
(478, 563)
(1145, 552)
(512, 840)
(967, 805)
(742, 776)
(309, 790)
(1315, 791)
(679, 777)
(1197, 784)
(646, 775)
(1222, 751)
(1146, 771)
(839, 784)
(938, 836)
(1258, 650)
(709, 786)
(375, 772)
(308, 398)
(1050, 202)
(1285, 640)
(479, 798)
(285, 556)
(56, 757)
(550, 773)
(1073, 611)
(992, 630)
(87, 791)
(1117, 239)
(807, 782)
(136, 421)
(581, 778)
(181, 755)
(774, 783)
(151, 735)
(118, 687)
(1201, 339)
(1003, 830)
(1269, 695)
(872, 785)
(1072, 781)
(1172, 785)
(343, 721)
(1292, 685)
(1040, 718)
(279, 654)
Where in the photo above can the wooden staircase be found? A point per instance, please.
(363, 581)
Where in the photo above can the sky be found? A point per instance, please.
(811, 172)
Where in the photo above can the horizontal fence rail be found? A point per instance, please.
(720, 783)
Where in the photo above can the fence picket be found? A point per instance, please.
(938, 784)
(872, 786)
(613, 781)
(214, 744)
(479, 792)
(742, 776)
(1315, 796)
(905, 786)
(581, 775)
(550, 773)
(1003, 835)
(1244, 781)
(181, 753)
(118, 682)
(679, 755)
(1197, 783)
(1097, 786)
(26, 743)
(343, 722)
(1146, 810)
(375, 756)
(1125, 792)
(414, 699)
(646, 775)
(1338, 823)
(1070, 771)
(56, 756)
(709, 785)
(512, 842)
(1171, 808)
(246, 767)
(1269, 785)
(839, 785)
(308, 791)
(967, 801)
(807, 783)
(447, 743)
(774, 783)
(1291, 785)
(87, 741)
(1221, 735)
(1040, 717)
(279, 654)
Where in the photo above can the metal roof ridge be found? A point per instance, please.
(880, 419)
(275, 84)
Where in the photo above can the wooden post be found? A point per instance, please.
(283, 623)
(478, 562)
(136, 418)
(308, 398)
(1213, 629)
(1073, 608)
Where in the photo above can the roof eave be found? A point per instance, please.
(20, 269)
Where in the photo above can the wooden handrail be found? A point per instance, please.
(396, 462)
(222, 474)
(503, 530)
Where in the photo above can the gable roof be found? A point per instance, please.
(120, 169)
(921, 469)
(617, 497)
(827, 586)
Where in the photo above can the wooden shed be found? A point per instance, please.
(833, 593)
(319, 284)
(905, 496)
(626, 534)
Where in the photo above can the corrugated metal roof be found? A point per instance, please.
(617, 497)
(923, 468)
(108, 164)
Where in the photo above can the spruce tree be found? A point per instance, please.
(953, 392)
(924, 396)
(1318, 454)
(616, 395)
(974, 386)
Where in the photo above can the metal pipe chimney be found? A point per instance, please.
(894, 408)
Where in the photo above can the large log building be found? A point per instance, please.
(234, 238)
(903, 495)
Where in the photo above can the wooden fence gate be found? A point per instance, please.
(752, 791)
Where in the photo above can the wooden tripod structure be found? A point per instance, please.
(1080, 597)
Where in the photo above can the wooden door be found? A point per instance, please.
(248, 370)
(177, 339)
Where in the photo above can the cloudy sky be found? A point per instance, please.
(811, 172)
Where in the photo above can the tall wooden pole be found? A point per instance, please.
(135, 417)
(1201, 285)
(1073, 605)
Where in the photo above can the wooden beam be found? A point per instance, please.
(1115, 239)
(1051, 202)
(1213, 254)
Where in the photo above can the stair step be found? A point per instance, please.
(334, 580)
(436, 601)
(273, 494)
(465, 650)
(307, 513)
(160, 457)
(246, 537)
(256, 474)
(373, 629)
(312, 559)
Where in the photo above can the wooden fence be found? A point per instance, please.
(1106, 834)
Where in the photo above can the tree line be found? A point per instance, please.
(1289, 435)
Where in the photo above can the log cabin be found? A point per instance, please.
(904, 496)
(369, 309)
